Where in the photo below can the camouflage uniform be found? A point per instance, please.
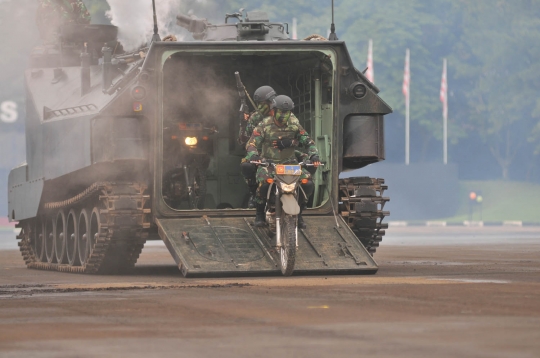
(249, 170)
(245, 132)
(261, 143)
(54, 13)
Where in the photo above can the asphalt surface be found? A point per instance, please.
(439, 292)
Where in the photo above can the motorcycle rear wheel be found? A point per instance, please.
(288, 244)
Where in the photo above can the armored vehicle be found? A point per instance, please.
(128, 147)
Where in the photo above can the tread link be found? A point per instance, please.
(361, 204)
(123, 218)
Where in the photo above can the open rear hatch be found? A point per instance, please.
(217, 246)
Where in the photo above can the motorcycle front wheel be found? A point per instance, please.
(198, 188)
(288, 244)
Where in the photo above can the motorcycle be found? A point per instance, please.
(282, 209)
(189, 146)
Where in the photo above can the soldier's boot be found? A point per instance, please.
(260, 219)
(300, 222)
(302, 202)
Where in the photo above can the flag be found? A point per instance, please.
(294, 29)
(369, 73)
(444, 91)
(407, 76)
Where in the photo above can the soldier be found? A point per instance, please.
(52, 14)
(275, 138)
(263, 98)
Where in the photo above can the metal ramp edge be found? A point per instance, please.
(231, 246)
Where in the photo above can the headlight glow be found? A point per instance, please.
(191, 141)
(288, 187)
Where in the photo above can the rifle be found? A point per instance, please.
(244, 108)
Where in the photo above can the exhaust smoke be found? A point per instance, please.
(135, 22)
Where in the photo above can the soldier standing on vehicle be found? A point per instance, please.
(263, 97)
(275, 139)
(52, 14)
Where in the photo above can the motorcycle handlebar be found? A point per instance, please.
(266, 164)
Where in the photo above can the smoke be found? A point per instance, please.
(134, 19)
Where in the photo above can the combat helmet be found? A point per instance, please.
(264, 93)
(285, 103)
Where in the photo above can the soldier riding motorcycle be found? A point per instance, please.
(276, 138)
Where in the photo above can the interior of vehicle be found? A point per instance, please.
(201, 120)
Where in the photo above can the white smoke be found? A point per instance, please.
(134, 19)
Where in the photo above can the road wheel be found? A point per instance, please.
(83, 244)
(49, 239)
(60, 237)
(36, 238)
(288, 244)
(71, 238)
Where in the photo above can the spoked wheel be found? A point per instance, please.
(288, 244)
(49, 239)
(60, 237)
(36, 238)
(83, 244)
(71, 238)
(198, 188)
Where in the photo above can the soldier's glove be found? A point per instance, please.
(315, 160)
(282, 143)
(255, 158)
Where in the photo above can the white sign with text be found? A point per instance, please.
(9, 112)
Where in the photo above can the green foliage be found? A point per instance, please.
(498, 56)
(97, 9)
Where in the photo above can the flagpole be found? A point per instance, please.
(406, 89)
(370, 74)
(444, 100)
(407, 130)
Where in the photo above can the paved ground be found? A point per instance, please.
(440, 292)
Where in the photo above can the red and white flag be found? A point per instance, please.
(444, 91)
(370, 73)
(407, 76)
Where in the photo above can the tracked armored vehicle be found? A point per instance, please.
(128, 147)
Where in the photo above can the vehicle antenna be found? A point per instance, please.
(155, 36)
(333, 36)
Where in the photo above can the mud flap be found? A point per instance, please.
(290, 205)
(211, 247)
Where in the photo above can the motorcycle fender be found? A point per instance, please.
(290, 205)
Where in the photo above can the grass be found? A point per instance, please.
(502, 201)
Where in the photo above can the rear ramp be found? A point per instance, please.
(217, 246)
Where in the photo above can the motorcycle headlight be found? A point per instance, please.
(288, 188)
(191, 141)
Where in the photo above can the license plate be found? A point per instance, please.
(190, 126)
(288, 169)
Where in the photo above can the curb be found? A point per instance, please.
(509, 223)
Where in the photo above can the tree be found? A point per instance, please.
(498, 56)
